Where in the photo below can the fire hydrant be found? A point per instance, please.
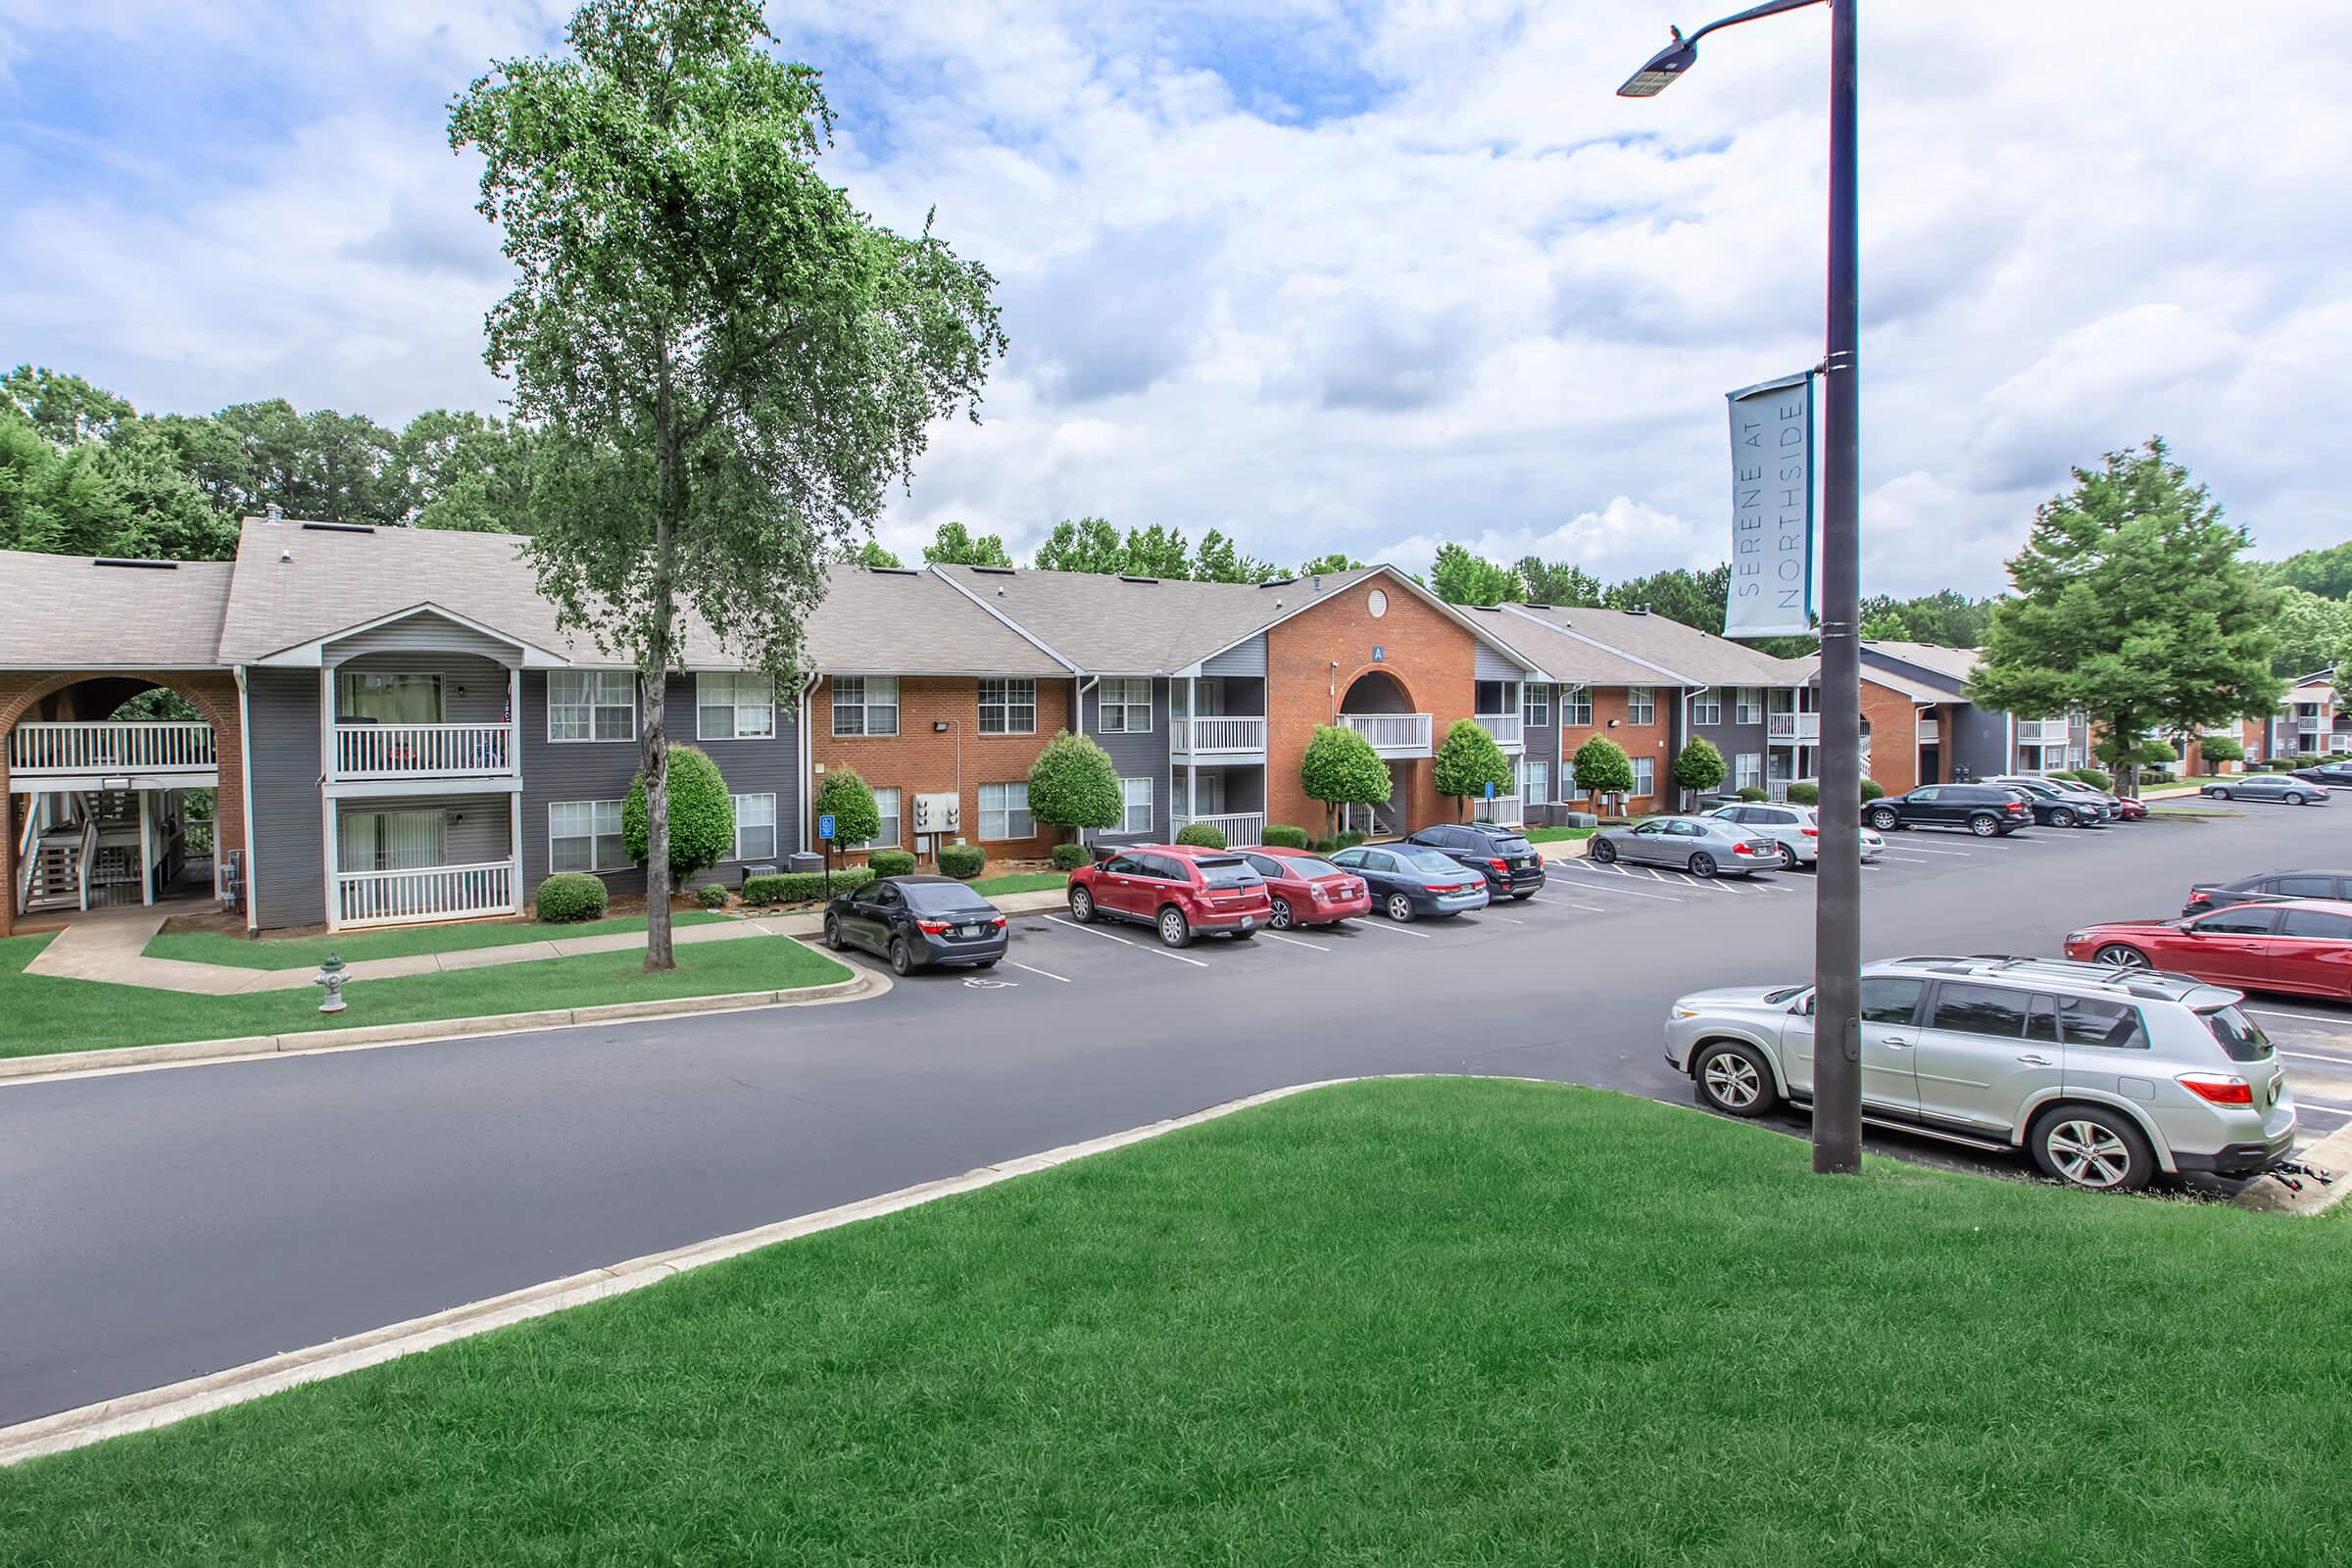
(330, 976)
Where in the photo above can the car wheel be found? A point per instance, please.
(2092, 1148)
(2219, 794)
(1787, 858)
(1082, 905)
(902, 961)
(833, 935)
(1175, 930)
(1703, 865)
(1884, 819)
(1602, 851)
(1734, 1079)
(1984, 824)
(2062, 817)
(1399, 908)
(2293, 797)
(1279, 917)
(2121, 957)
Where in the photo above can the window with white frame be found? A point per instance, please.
(1708, 707)
(584, 836)
(1535, 704)
(591, 705)
(1004, 811)
(387, 697)
(1535, 780)
(1009, 708)
(1747, 771)
(734, 705)
(389, 841)
(1576, 708)
(1135, 794)
(1645, 775)
(865, 704)
(1747, 705)
(1567, 778)
(1640, 705)
(886, 807)
(755, 827)
(1126, 706)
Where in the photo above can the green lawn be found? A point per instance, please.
(1559, 835)
(40, 1013)
(305, 952)
(1425, 1322)
(1020, 882)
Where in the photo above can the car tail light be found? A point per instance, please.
(1742, 849)
(2016, 807)
(2220, 1088)
(2200, 898)
(997, 920)
(934, 927)
(1810, 832)
(1501, 867)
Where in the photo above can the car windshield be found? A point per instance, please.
(1415, 859)
(943, 898)
(1308, 867)
(1784, 993)
(1233, 872)
(2240, 1035)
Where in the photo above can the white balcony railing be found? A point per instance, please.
(429, 892)
(2042, 732)
(1803, 728)
(1930, 731)
(419, 750)
(1506, 728)
(1238, 827)
(1776, 789)
(1510, 811)
(1393, 734)
(105, 747)
(1217, 736)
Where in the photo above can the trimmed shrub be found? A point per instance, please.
(843, 796)
(1603, 768)
(799, 887)
(568, 897)
(1698, 767)
(1804, 792)
(2098, 778)
(1202, 835)
(965, 860)
(1341, 768)
(1332, 846)
(1283, 836)
(1872, 789)
(2222, 748)
(702, 815)
(891, 863)
(1468, 761)
(1073, 784)
(1749, 792)
(1071, 857)
(711, 896)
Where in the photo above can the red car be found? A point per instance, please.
(2131, 809)
(1305, 889)
(1180, 890)
(2300, 944)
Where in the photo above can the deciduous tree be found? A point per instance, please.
(1075, 784)
(1602, 769)
(1559, 583)
(1341, 768)
(1460, 577)
(844, 795)
(954, 545)
(1088, 545)
(1468, 761)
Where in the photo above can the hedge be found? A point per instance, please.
(1345, 841)
(965, 860)
(711, 896)
(1804, 792)
(891, 863)
(1071, 857)
(1872, 789)
(1749, 792)
(702, 815)
(1202, 835)
(799, 887)
(571, 896)
(2098, 778)
(1283, 836)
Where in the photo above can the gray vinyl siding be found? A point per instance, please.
(1247, 659)
(1979, 743)
(474, 689)
(1731, 737)
(603, 770)
(287, 864)
(430, 634)
(1142, 756)
(1492, 665)
(1542, 744)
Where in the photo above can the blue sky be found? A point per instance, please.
(1354, 276)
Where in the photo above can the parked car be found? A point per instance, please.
(1179, 890)
(1985, 809)
(2268, 888)
(918, 922)
(1304, 888)
(2299, 945)
(1501, 854)
(2055, 804)
(2325, 773)
(2287, 788)
(1703, 846)
(1408, 881)
(2105, 1078)
(1796, 829)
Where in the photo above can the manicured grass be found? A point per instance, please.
(1020, 882)
(306, 952)
(1414, 1322)
(1559, 835)
(40, 1013)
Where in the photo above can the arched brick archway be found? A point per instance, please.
(213, 694)
(1373, 689)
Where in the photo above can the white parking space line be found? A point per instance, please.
(1907, 859)
(1570, 903)
(1922, 849)
(1026, 968)
(1141, 946)
(1381, 922)
(1276, 936)
(1604, 886)
(2316, 1056)
(2341, 1020)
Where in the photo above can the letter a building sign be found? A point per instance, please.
(1772, 509)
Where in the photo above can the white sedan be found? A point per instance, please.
(1796, 829)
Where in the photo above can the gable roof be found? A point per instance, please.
(1952, 665)
(1565, 657)
(1894, 680)
(1683, 655)
(915, 623)
(84, 613)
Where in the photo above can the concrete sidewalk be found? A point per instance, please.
(110, 948)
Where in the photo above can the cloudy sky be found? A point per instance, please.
(1326, 275)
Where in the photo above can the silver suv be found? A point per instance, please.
(2104, 1077)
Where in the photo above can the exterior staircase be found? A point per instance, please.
(73, 846)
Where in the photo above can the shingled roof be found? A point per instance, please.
(1667, 649)
(81, 613)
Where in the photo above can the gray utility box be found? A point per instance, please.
(1578, 819)
(751, 872)
(805, 860)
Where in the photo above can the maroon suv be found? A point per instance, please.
(1179, 890)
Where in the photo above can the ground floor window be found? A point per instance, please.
(1567, 778)
(389, 841)
(886, 807)
(1747, 771)
(1136, 795)
(584, 836)
(1535, 780)
(755, 827)
(1004, 811)
(1645, 775)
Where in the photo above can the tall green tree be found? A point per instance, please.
(1460, 577)
(1559, 583)
(64, 408)
(2327, 572)
(1088, 545)
(2132, 605)
(871, 553)
(954, 545)
(728, 364)
(1468, 761)
(1341, 768)
(1157, 551)
(2310, 630)
(1693, 598)
(461, 470)
(1218, 559)
(1075, 784)
(1336, 561)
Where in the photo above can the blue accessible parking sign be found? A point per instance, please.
(824, 826)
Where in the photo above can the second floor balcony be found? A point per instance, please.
(2042, 732)
(1802, 729)
(1392, 735)
(1508, 730)
(1217, 735)
(154, 753)
(367, 751)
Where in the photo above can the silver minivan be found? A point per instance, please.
(2105, 1077)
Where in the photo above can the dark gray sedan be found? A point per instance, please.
(1703, 846)
(2290, 789)
(918, 922)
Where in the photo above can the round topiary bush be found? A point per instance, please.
(1071, 857)
(1283, 836)
(702, 817)
(891, 863)
(568, 897)
(1872, 789)
(965, 860)
(1202, 835)
(1749, 792)
(711, 896)
(1807, 793)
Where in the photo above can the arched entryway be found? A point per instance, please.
(1378, 706)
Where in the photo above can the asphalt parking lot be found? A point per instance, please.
(162, 1224)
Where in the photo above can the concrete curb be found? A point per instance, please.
(157, 1407)
(2333, 1153)
(861, 983)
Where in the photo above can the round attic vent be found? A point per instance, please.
(1378, 603)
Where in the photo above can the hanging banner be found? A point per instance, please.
(1772, 509)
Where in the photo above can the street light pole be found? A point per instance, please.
(1837, 894)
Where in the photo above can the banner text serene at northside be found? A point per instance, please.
(1772, 509)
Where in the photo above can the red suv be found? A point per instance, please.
(1304, 888)
(1179, 888)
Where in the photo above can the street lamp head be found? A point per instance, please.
(1664, 66)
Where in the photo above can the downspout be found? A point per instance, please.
(808, 784)
(1078, 727)
(253, 899)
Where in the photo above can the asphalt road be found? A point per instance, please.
(161, 1224)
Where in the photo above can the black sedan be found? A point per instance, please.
(2270, 887)
(1407, 881)
(918, 922)
(2290, 790)
(2325, 773)
(1501, 854)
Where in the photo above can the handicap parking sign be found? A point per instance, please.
(824, 826)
